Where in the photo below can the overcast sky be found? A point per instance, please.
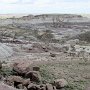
(44, 6)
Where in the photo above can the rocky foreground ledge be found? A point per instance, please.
(28, 79)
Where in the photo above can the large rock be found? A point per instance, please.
(6, 87)
(20, 68)
(34, 76)
(49, 87)
(33, 87)
(20, 86)
(26, 82)
(60, 83)
(14, 80)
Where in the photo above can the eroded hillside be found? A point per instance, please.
(55, 44)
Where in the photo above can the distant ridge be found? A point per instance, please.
(4, 16)
(51, 16)
(86, 15)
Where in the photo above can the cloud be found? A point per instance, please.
(44, 6)
(8, 1)
(28, 1)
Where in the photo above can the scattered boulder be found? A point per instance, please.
(36, 68)
(21, 67)
(52, 55)
(60, 83)
(17, 70)
(20, 86)
(54, 88)
(33, 87)
(14, 80)
(49, 87)
(34, 76)
(43, 87)
(25, 88)
(6, 87)
(26, 82)
(45, 48)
